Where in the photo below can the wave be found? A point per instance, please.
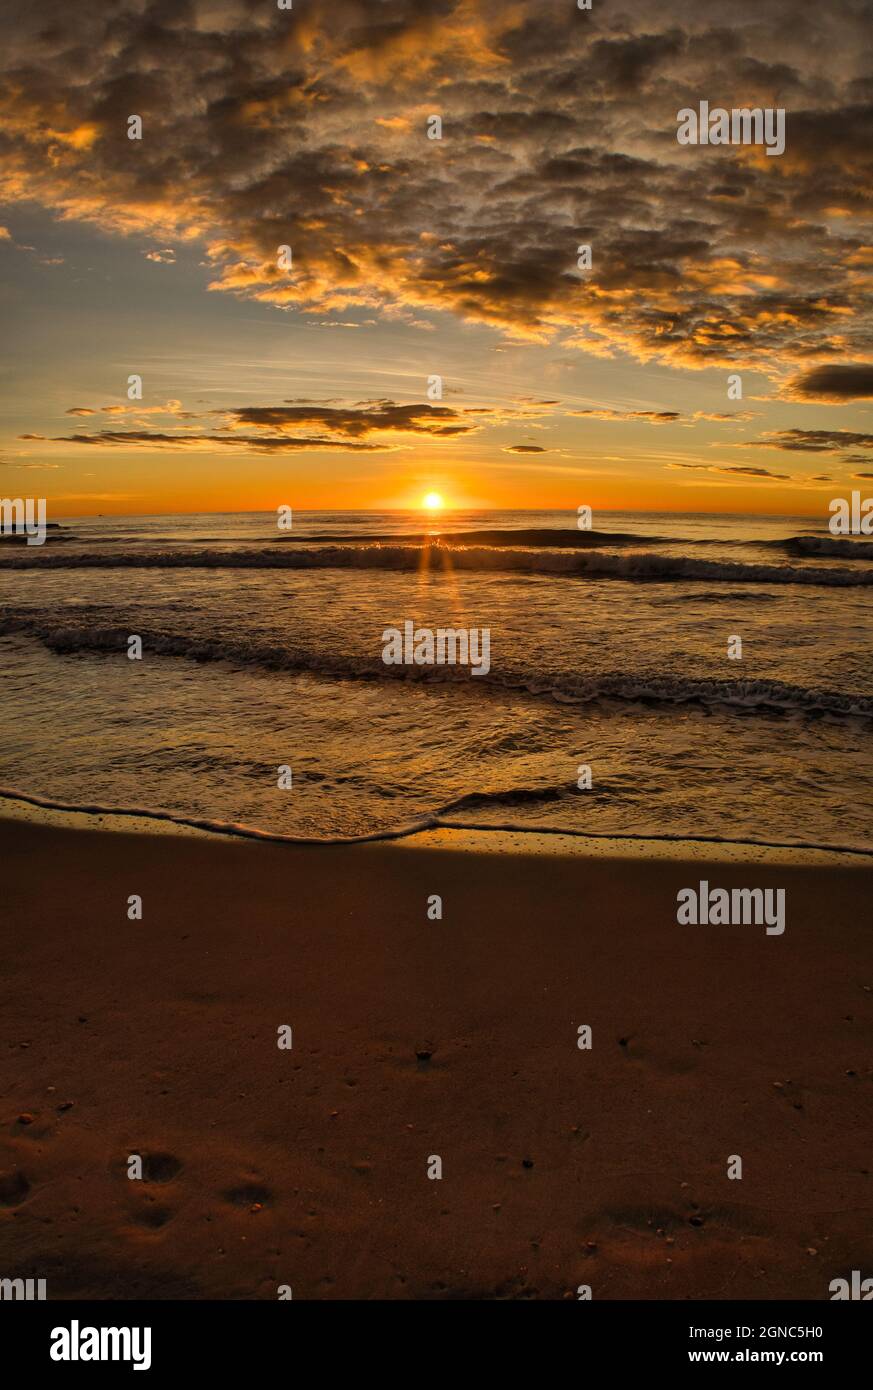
(828, 546)
(565, 687)
(637, 566)
(532, 536)
(726, 595)
(435, 821)
(569, 539)
(513, 796)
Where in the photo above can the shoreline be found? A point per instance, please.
(468, 838)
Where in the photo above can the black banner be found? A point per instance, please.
(82, 1339)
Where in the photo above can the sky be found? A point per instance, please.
(307, 384)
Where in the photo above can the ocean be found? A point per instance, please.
(608, 650)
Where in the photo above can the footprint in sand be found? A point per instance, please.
(153, 1216)
(160, 1167)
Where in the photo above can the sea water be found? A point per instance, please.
(608, 649)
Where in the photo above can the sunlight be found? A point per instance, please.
(433, 502)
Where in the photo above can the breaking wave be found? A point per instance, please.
(829, 546)
(638, 565)
(566, 686)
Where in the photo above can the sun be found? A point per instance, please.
(432, 502)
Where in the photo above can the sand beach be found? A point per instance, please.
(414, 1039)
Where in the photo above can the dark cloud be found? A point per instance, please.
(812, 441)
(288, 427)
(525, 449)
(626, 64)
(307, 128)
(437, 421)
(833, 382)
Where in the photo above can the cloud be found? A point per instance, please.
(668, 417)
(833, 382)
(654, 417)
(262, 444)
(730, 468)
(136, 408)
(726, 416)
(372, 417)
(264, 128)
(166, 256)
(525, 449)
(752, 472)
(811, 441)
(300, 425)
